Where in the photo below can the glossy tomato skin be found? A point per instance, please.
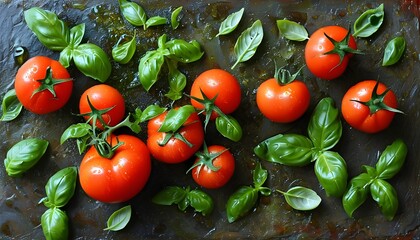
(283, 103)
(210, 179)
(103, 96)
(117, 179)
(26, 82)
(358, 115)
(175, 151)
(327, 66)
(220, 83)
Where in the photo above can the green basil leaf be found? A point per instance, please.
(83, 143)
(60, 187)
(385, 195)
(184, 203)
(170, 195)
(331, 171)
(176, 118)
(292, 30)
(119, 219)
(77, 130)
(10, 106)
(391, 159)
(230, 23)
(155, 21)
(76, 35)
(149, 67)
(357, 193)
(201, 202)
(183, 51)
(325, 127)
(241, 202)
(50, 31)
(174, 18)
(371, 171)
(259, 176)
(393, 51)
(229, 127)
(133, 13)
(369, 22)
(177, 81)
(301, 198)
(55, 224)
(287, 149)
(92, 61)
(24, 155)
(248, 42)
(66, 56)
(150, 112)
(124, 52)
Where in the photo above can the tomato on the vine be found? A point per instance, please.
(369, 106)
(119, 178)
(213, 167)
(103, 101)
(328, 51)
(43, 85)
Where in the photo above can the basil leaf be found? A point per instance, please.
(170, 195)
(287, 149)
(248, 42)
(229, 127)
(393, 51)
(230, 23)
(259, 176)
(357, 193)
(325, 127)
(77, 130)
(150, 112)
(10, 106)
(174, 17)
(370, 171)
(124, 52)
(155, 21)
(369, 22)
(331, 171)
(201, 202)
(241, 202)
(292, 30)
(133, 13)
(385, 195)
(54, 223)
(66, 56)
(92, 61)
(60, 187)
(176, 118)
(391, 159)
(119, 219)
(24, 155)
(301, 198)
(149, 67)
(76, 35)
(183, 51)
(177, 81)
(50, 31)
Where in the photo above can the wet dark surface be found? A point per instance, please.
(273, 218)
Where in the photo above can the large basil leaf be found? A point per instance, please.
(369, 22)
(230, 23)
(149, 67)
(10, 106)
(385, 195)
(176, 118)
(51, 31)
(292, 30)
(60, 187)
(287, 149)
(325, 127)
(92, 61)
(357, 193)
(54, 223)
(393, 51)
(248, 42)
(119, 219)
(133, 13)
(229, 127)
(241, 202)
(24, 155)
(331, 171)
(122, 53)
(301, 198)
(391, 159)
(183, 51)
(201, 202)
(177, 80)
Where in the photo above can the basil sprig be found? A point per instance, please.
(247, 43)
(369, 22)
(10, 106)
(292, 30)
(301, 198)
(119, 219)
(230, 23)
(373, 180)
(393, 51)
(136, 15)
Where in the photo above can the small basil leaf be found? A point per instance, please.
(371, 171)
(124, 52)
(230, 23)
(301, 198)
(77, 130)
(292, 30)
(177, 81)
(92, 61)
(241, 202)
(82, 143)
(248, 42)
(229, 127)
(391, 159)
(393, 51)
(287, 149)
(76, 35)
(119, 219)
(170, 195)
(174, 18)
(54, 223)
(183, 51)
(24, 155)
(60, 187)
(10, 106)
(357, 193)
(184, 203)
(176, 118)
(201, 202)
(259, 176)
(155, 21)
(369, 22)
(265, 191)
(331, 171)
(385, 195)
(150, 112)
(149, 67)
(325, 127)
(66, 56)
(133, 13)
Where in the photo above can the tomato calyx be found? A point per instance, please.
(283, 76)
(49, 82)
(96, 114)
(205, 159)
(341, 48)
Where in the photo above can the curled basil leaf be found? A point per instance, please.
(77, 130)
(119, 219)
(176, 118)
(248, 42)
(385, 195)
(230, 23)
(183, 51)
(24, 155)
(201, 202)
(292, 30)
(301, 198)
(92, 61)
(124, 52)
(369, 22)
(393, 51)
(229, 127)
(174, 17)
(10, 106)
(241, 202)
(54, 223)
(331, 171)
(391, 159)
(357, 193)
(149, 67)
(60, 188)
(133, 13)
(155, 21)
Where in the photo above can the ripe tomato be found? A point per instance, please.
(214, 167)
(364, 109)
(219, 84)
(43, 85)
(175, 150)
(117, 179)
(107, 100)
(322, 56)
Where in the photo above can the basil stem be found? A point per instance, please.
(301, 198)
(229, 127)
(119, 219)
(369, 22)
(248, 42)
(124, 52)
(133, 13)
(54, 223)
(391, 160)
(393, 51)
(385, 195)
(357, 193)
(174, 18)
(60, 188)
(230, 23)
(292, 30)
(10, 106)
(331, 171)
(92, 61)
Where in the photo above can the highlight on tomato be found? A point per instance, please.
(369, 106)
(43, 85)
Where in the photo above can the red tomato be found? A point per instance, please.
(220, 83)
(175, 150)
(43, 85)
(223, 162)
(283, 102)
(103, 97)
(328, 66)
(362, 117)
(117, 179)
